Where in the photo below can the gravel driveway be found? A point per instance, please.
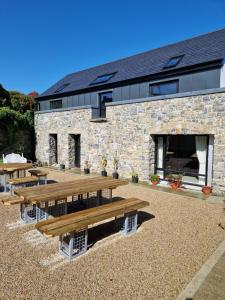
(176, 236)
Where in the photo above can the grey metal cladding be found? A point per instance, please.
(202, 49)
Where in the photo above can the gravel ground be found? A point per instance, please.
(176, 237)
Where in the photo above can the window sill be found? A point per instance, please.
(98, 120)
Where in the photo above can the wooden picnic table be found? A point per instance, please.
(58, 191)
(46, 197)
(9, 169)
(15, 166)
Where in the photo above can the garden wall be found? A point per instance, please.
(17, 141)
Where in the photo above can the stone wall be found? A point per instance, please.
(52, 149)
(130, 129)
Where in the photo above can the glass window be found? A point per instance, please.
(56, 104)
(103, 99)
(103, 78)
(182, 154)
(62, 87)
(164, 88)
(173, 61)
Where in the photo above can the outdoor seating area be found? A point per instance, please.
(67, 209)
(72, 229)
(91, 220)
(12, 170)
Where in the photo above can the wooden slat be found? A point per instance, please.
(60, 185)
(64, 220)
(72, 192)
(15, 166)
(11, 200)
(58, 191)
(37, 172)
(22, 180)
(79, 220)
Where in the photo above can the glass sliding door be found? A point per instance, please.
(186, 154)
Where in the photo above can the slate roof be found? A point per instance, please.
(202, 49)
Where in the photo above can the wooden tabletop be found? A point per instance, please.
(58, 191)
(84, 218)
(14, 166)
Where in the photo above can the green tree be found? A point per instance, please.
(4, 97)
(21, 102)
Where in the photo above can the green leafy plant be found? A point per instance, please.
(133, 173)
(87, 165)
(115, 164)
(154, 177)
(103, 163)
(175, 177)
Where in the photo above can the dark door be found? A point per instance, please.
(77, 150)
(103, 99)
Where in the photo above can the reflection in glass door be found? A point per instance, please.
(186, 154)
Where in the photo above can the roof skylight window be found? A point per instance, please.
(173, 61)
(62, 87)
(102, 78)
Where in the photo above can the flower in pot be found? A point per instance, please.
(115, 167)
(207, 190)
(86, 167)
(155, 179)
(134, 176)
(103, 164)
(175, 181)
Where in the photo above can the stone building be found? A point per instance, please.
(161, 112)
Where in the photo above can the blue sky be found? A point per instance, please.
(42, 41)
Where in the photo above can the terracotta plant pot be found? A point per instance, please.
(175, 185)
(115, 175)
(135, 179)
(86, 171)
(62, 167)
(207, 190)
(155, 182)
(103, 173)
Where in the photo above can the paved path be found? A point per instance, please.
(214, 285)
(209, 282)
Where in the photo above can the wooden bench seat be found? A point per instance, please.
(11, 200)
(40, 174)
(23, 180)
(14, 182)
(72, 229)
(37, 172)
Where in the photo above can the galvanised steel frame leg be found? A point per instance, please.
(28, 213)
(5, 182)
(99, 197)
(41, 212)
(110, 195)
(129, 223)
(44, 178)
(73, 244)
(11, 189)
(65, 207)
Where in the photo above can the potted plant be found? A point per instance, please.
(62, 167)
(103, 164)
(175, 181)
(155, 179)
(207, 190)
(86, 167)
(115, 167)
(134, 176)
